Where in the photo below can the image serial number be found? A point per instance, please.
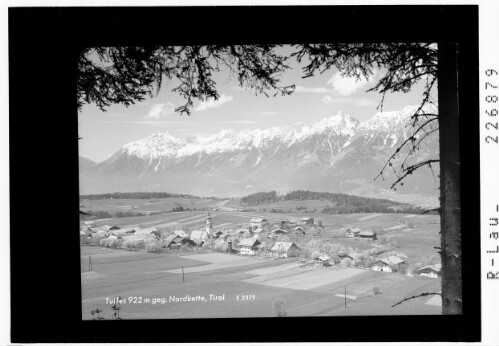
(241, 297)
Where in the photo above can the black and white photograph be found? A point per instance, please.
(260, 180)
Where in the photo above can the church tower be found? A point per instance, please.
(209, 227)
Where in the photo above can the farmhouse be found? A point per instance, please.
(352, 232)
(431, 271)
(307, 221)
(388, 264)
(181, 234)
(199, 236)
(348, 258)
(248, 246)
(368, 235)
(282, 249)
(172, 239)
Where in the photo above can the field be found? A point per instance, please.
(249, 286)
(152, 284)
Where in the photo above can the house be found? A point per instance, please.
(283, 249)
(368, 235)
(352, 232)
(188, 242)
(181, 234)
(346, 259)
(299, 230)
(248, 246)
(388, 264)
(258, 222)
(324, 259)
(172, 239)
(307, 221)
(279, 231)
(431, 271)
(199, 236)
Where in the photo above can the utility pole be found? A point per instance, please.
(182, 273)
(89, 263)
(345, 296)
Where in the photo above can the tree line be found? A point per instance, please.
(135, 195)
(342, 203)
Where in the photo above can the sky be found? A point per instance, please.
(315, 98)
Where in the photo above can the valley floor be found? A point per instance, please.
(153, 286)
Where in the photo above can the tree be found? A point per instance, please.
(127, 74)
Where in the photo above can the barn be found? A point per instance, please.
(389, 264)
(283, 249)
(368, 235)
(248, 246)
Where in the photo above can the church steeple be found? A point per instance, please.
(209, 227)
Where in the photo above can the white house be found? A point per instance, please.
(248, 246)
(431, 271)
(352, 232)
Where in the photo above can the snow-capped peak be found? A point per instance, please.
(164, 144)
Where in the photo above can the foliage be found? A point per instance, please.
(125, 75)
(343, 203)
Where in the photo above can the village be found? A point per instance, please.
(299, 239)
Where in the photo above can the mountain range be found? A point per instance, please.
(336, 154)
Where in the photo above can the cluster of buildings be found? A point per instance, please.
(357, 233)
(251, 243)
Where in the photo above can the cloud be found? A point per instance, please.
(239, 122)
(160, 110)
(345, 86)
(212, 103)
(316, 90)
